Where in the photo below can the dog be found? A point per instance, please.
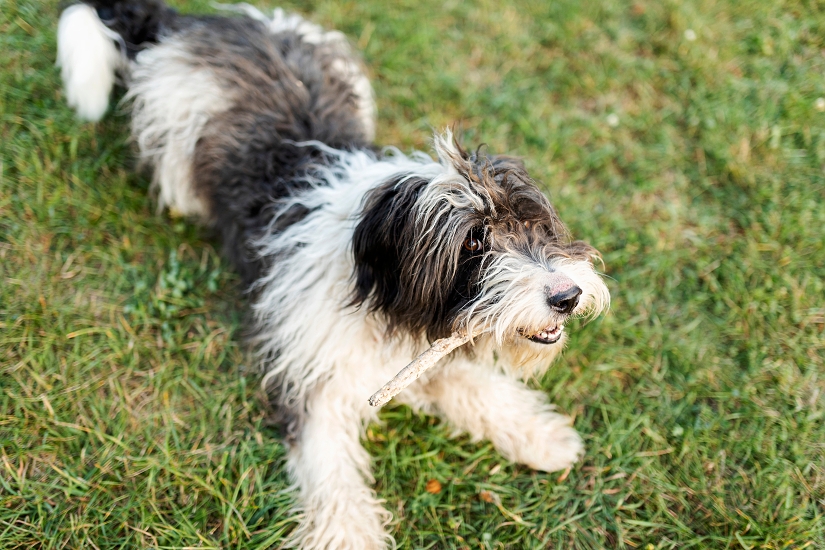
(356, 258)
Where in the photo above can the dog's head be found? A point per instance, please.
(477, 247)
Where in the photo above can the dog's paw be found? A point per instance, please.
(548, 443)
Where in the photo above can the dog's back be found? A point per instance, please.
(219, 103)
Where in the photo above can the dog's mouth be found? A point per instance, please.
(549, 335)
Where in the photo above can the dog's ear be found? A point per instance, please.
(385, 232)
(417, 274)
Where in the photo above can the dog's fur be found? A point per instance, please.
(355, 258)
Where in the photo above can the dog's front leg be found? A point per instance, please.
(519, 421)
(339, 510)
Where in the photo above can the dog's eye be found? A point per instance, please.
(528, 224)
(472, 244)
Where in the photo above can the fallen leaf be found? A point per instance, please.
(487, 496)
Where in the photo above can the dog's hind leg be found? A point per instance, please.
(339, 511)
(519, 421)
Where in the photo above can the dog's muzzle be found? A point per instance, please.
(562, 300)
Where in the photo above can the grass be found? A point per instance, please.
(684, 140)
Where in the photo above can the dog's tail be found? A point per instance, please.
(96, 40)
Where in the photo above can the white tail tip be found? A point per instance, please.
(88, 58)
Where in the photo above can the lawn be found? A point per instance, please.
(686, 141)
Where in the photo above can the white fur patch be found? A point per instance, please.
(174, 97)
(88, 58)
(331, 471)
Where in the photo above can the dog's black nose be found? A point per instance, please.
(565, 301)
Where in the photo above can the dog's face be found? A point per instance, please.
(478, 247)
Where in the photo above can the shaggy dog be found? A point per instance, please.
(356, 258)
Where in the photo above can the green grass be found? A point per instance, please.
(129, 417)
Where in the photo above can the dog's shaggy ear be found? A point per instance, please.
(418, 275)
(385, 230)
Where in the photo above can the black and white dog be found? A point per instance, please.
(357, 258)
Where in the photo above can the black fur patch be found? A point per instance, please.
(384, 243)
(139, 22)
(247, 159)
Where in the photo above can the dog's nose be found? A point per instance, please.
(564, 301)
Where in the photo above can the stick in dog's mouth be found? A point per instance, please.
(419, 365)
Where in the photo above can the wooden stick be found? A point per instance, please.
(419, 365)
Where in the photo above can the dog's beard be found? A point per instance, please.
(513, 294)
(512, 307)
